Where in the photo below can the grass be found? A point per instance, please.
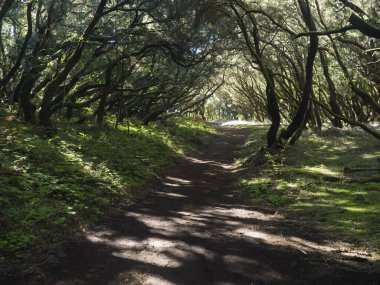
(52, 187)
(307, 182)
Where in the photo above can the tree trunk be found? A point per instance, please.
(255, 51)
(51, 89)
(101, 109)
(22, 94)
(332, 91)
(16, 65)
(274, 114)
(299, 117)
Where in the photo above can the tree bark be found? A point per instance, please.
(357, 91)
(51, 89)
(254, 49)
(364, 27)
(299, 117)
(332, 90)
(16, 65)
(6, 6)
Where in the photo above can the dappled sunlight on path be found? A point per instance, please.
(196, 227)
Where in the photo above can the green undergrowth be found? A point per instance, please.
(50, 187)
(308, 182)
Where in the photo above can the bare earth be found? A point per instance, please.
(195, 227)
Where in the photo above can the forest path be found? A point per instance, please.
(195, 227)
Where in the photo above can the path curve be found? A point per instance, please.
(195, 228)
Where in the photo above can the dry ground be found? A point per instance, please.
(196, 227)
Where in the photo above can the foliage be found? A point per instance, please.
(143, 59)
(65, 65)
(307, 182)
(297, 66)
(51, 187)
(303, 62)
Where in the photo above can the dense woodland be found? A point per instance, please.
(96, 96)
(297, 63)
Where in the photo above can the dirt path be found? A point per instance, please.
(195, 228)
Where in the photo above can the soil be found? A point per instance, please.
(196, 227)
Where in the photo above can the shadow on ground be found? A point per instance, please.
(196, 228)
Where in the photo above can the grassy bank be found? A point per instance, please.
(307, 182)
(52, 187)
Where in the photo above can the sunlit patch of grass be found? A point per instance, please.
(370, 156)
(322, 169)
(52, 186)
(307, 182)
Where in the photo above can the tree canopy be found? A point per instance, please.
(296, 63)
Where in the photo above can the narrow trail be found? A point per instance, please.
(196, 228)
